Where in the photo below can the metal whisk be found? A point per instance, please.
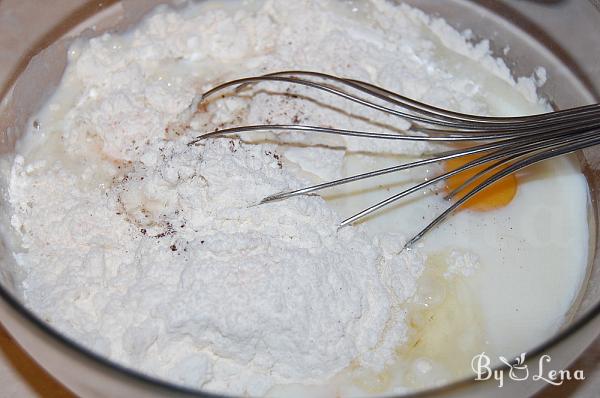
(505, 144)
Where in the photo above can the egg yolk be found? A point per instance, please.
(494, 196)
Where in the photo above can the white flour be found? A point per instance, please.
(151, 251)
(171, 271)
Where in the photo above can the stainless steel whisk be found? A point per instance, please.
(506, 144)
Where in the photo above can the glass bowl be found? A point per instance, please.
(561, 35)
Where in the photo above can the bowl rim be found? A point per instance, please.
(87, 10)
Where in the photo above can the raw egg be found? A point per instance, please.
(495, 196)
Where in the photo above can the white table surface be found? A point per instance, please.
(20, 376)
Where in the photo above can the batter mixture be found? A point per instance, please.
(155, 254)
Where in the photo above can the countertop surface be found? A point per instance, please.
(20, 376)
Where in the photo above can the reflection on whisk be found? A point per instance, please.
(502, 145)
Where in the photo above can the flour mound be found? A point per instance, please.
(179, 264)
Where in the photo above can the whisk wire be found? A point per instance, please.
(557, 151)
(506, 144)
(434, 112)
(529, 140)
